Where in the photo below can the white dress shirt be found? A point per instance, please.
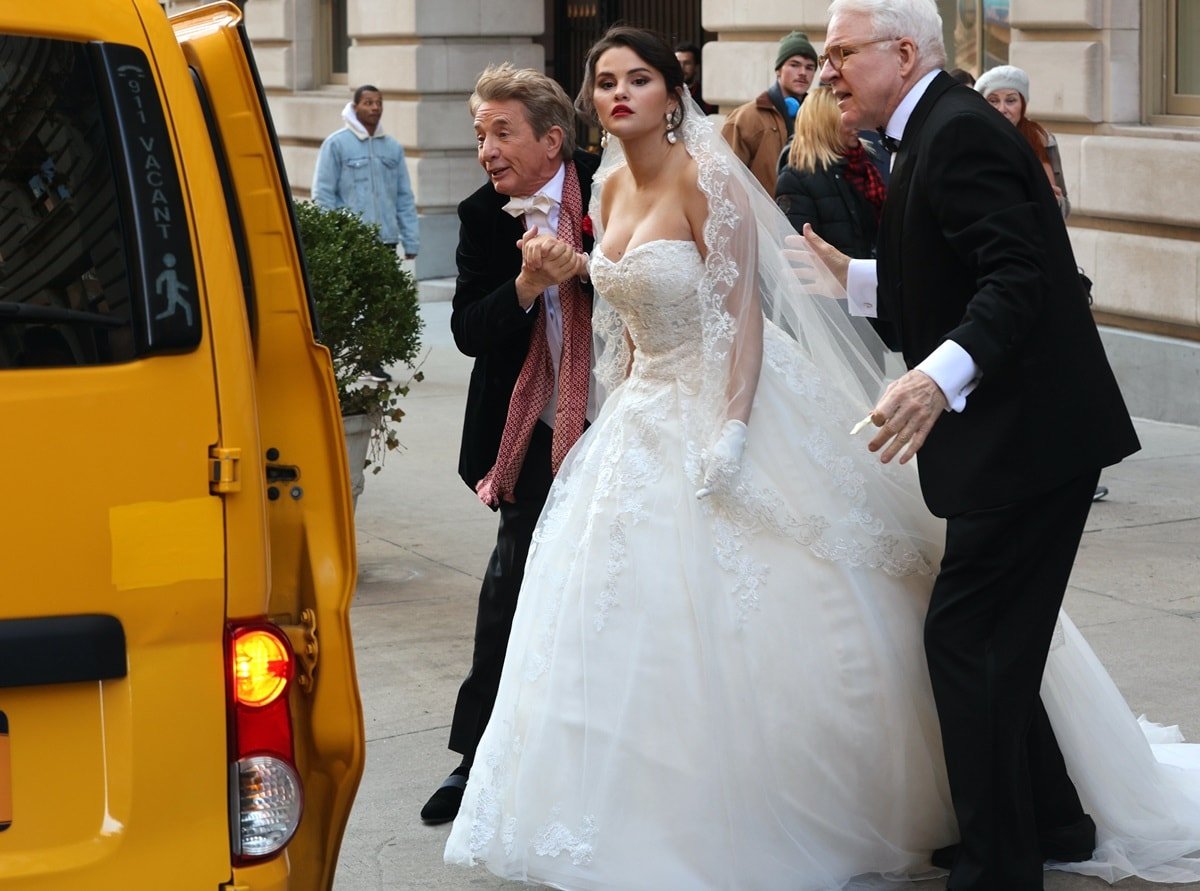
(950, 366)
(547, 223)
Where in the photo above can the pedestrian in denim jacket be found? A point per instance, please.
(362, 168)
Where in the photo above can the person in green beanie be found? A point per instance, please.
(758, 130)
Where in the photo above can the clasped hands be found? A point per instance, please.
(545, 261)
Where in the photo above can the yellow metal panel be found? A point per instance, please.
(158, 543)
(109, 777)
(312, 566)
(124, 782)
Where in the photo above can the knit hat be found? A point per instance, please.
(794, 44)
(1003, 77)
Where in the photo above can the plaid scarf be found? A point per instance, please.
(862, 175)
(535, 383)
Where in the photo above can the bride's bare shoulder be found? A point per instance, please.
(692, 200)
(614, 185)
(689, 171)
(687, 181)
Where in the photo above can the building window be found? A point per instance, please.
(976, 33)
(1183, 57)
(340, 38)
(333, 42)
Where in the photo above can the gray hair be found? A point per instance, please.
(916, 19)
(546, 105)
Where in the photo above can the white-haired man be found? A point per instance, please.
(1012, 404)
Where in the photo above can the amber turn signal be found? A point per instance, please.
(262, 666)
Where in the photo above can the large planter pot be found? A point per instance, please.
(358, 437)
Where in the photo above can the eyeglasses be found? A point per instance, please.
(836, 55)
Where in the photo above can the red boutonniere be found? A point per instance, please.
(585, 226)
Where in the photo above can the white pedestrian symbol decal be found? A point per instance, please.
(168, 280)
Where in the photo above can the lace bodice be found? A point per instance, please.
(653, 288)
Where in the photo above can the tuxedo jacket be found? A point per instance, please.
(972, 248)
(487, 321)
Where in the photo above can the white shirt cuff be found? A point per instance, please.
(954, 371)
(861, 287)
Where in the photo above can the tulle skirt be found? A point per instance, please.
(699, 695)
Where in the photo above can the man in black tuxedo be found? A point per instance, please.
(523, 312)
(1012, 404)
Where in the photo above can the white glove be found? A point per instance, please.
(723, 459)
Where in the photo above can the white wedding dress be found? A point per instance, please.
(731, 692)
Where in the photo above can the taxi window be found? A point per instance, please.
(83, 277)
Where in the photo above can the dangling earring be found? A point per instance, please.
(674, 119)
(603, 138)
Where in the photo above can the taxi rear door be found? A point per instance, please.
(296, 423)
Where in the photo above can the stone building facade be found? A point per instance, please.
(1102, 71)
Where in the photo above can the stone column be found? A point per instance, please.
(1134, 218)
(740, 64)
(426, 56)
(284, 35)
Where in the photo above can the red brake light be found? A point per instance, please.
(265, 791)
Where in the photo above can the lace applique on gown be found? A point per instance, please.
(700, 694)
(732, 693)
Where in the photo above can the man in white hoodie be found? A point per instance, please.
(362, 168)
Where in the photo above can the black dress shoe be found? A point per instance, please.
(1066, 844)
(1074, 843)
(943, 858)
(442, 806)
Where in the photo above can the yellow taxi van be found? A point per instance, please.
(178, 700)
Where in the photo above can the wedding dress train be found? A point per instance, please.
(687, 706)
(731, 692)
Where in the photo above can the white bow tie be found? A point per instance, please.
(541, 201)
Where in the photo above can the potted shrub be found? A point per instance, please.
(367, 316)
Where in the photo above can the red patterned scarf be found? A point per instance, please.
(535, 383)
(862, 175)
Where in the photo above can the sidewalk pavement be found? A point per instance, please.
(424, 539)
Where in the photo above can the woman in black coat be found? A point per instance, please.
(831, 182)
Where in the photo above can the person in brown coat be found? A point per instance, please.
(758, 130)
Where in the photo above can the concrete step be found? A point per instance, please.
(435, 290)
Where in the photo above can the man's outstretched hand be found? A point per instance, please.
(906, 413)
(837, 262)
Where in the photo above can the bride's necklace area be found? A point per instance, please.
(647, 164)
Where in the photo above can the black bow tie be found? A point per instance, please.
(890, 144)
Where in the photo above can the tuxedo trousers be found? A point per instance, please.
(987, 635)
(498, 595)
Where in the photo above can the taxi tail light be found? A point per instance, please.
(265, 795)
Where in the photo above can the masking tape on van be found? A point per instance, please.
(156, 543)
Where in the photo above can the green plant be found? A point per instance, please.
(366, 315)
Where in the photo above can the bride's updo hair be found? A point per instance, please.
(649, 47)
